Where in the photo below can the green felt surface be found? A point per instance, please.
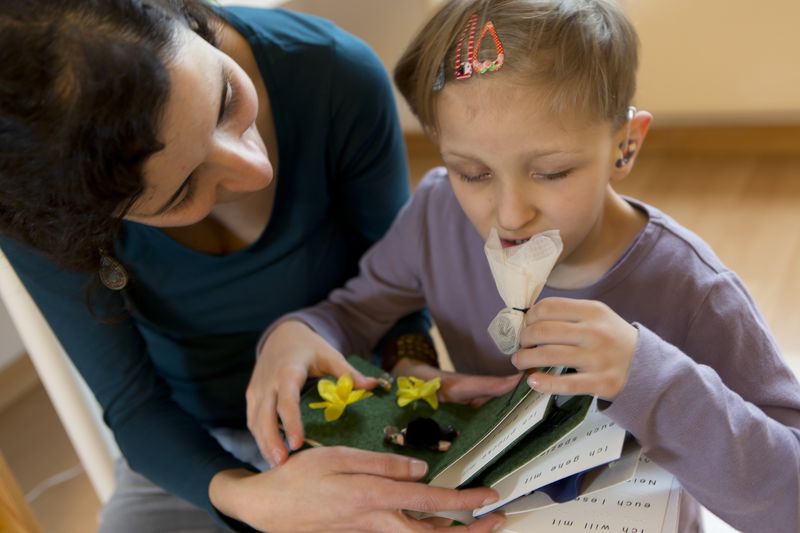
(361, 425)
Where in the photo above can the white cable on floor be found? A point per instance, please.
(52, 481)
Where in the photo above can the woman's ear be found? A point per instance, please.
(629, 140)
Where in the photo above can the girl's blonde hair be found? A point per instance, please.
(582, 54)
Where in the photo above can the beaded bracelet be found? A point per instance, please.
(409, 346)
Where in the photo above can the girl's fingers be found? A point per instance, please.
(551, 355)
(579, 383)
(565, 310)
(462, 388)
(551, 332)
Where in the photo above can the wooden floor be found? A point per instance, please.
(36, 448)
(738, 189)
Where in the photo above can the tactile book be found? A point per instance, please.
(516, 443)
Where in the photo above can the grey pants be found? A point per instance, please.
(139, 506)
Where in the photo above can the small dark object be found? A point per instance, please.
(422, 432)
(385, 382)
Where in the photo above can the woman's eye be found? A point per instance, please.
(230, 105)
(187, 196)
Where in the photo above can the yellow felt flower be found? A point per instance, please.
(337, 396)
(411, 389)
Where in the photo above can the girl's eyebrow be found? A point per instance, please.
(535, 153)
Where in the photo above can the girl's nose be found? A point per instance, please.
(514, 211)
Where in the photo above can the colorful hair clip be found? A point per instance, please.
(464, 70)
(474, 64)
(438, 83)
(482, 67)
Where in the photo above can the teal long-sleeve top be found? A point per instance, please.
(180, 361)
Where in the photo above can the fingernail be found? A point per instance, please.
(498, 526)
(418, 468)
(277, 458)
(489, 501)
(533, 382)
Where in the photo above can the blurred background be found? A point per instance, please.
(722, 78)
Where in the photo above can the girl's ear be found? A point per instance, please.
(629, 141)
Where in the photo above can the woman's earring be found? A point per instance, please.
(112, 274)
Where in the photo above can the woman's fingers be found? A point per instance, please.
(486, 524)
(393, 466)
(263, 423)
(288, 407)
(367, 491)
(266, 432)
(337, 365)
(425, 498)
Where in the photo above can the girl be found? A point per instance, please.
(529, 103)
(215, 154)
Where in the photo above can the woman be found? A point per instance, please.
(216, 168)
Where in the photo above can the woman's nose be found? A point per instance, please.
(242, 164)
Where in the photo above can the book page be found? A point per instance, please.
(530, 411)
(647, 503)
(597, 479)
(597, 440)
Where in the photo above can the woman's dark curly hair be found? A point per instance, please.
(83, 84)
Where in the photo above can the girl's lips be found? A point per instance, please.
(507, 243)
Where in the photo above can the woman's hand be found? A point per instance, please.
(458, 388)
(291, 354)
(344, 489)
(581, 334)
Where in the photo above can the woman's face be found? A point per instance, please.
(213, 153)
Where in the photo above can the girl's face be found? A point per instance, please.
(515, 167)
(213, 152)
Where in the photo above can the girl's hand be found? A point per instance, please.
(581, 334)
(459, 388)
(291, 354)
(344, 489)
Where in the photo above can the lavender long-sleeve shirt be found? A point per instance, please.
(708, 395)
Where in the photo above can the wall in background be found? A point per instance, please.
(703, 63)
(719, 61)
(386, 25)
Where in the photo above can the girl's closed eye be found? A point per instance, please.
(552, 176)
(475, 178)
